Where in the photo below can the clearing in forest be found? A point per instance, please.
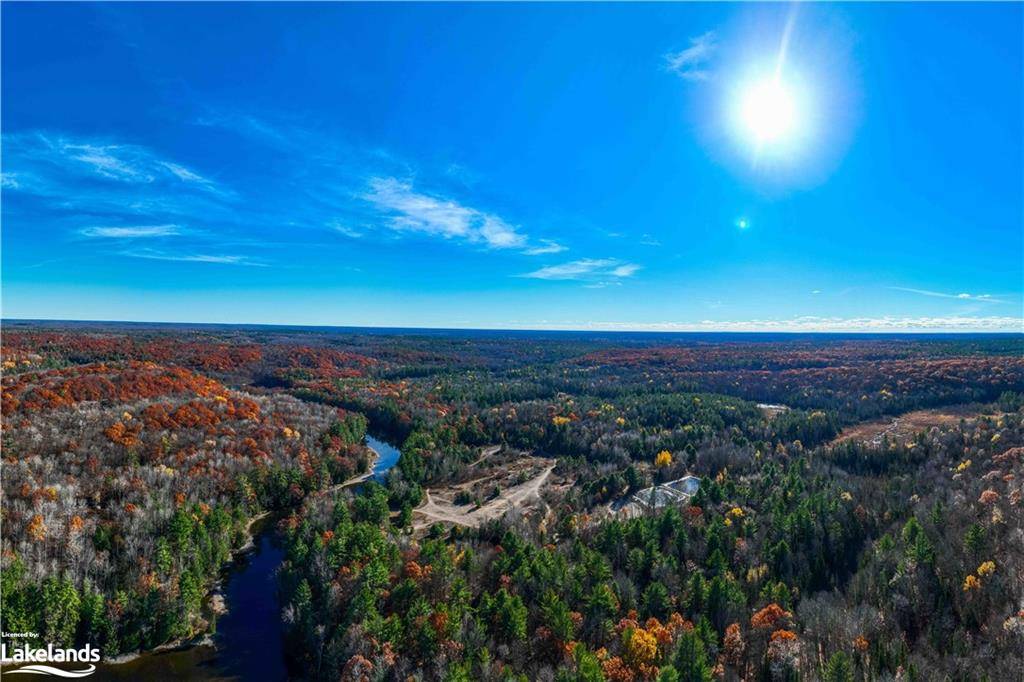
(904, 427)
(514, 485)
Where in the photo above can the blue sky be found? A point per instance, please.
(514, 166)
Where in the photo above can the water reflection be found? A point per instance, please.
(388, 456)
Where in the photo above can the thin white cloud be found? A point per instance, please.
(114, 162)
(547, 246)
(963, 296)
(246, 124)
(798, 324)
(500, 235)
(692, 63)
(412, 211)
(192, 257)
(626, 270)
(462, 175)
(100, 159)
(599, 269)
(132, 232)
(345, 229)
(189, 176)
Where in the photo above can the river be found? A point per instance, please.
(248, 641)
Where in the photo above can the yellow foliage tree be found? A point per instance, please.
(642, 647)
(663, 459)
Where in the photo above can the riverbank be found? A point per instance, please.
(242, 644)
(250, 542)
(355, 480)
(204, 638)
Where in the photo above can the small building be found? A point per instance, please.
(675, 492)
(688, 485)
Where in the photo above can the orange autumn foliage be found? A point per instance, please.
(783, 635)
(733, 644)
(769, 616)
(616, 670)
(37, 528)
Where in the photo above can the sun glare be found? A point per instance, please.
(768, 112)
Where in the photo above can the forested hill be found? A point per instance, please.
(858, 515)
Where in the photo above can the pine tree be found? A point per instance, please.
(839, 668)
(691, 660)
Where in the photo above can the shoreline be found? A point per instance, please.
(366, 475)
(205, 638)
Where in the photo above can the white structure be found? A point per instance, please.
(651, 499)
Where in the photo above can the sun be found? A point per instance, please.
(768, 112)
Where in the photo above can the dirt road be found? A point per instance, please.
(485, 453)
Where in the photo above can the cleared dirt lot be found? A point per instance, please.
(440, 510)
(496, 485)
(902, 428)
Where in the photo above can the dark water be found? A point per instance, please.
(249, 641)
(388, 457)
(249, 636)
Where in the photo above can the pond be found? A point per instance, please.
(249, 636)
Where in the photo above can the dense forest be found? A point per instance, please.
(858, 515)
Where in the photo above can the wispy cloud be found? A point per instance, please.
(345, 229)
(692, 63)
(10, 181)
(243, 123)
(186, 175)
(462, 175)
(104, 177)
(798, 324)
(409, 210)
(103, 159)
(192, 257)
(962, 296)
(500, 235)
(625, 270)
(123, 191)
(132, 232)
(110, 161)
(546, 246)
(599, 269)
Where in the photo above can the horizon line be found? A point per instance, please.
(581, 330)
